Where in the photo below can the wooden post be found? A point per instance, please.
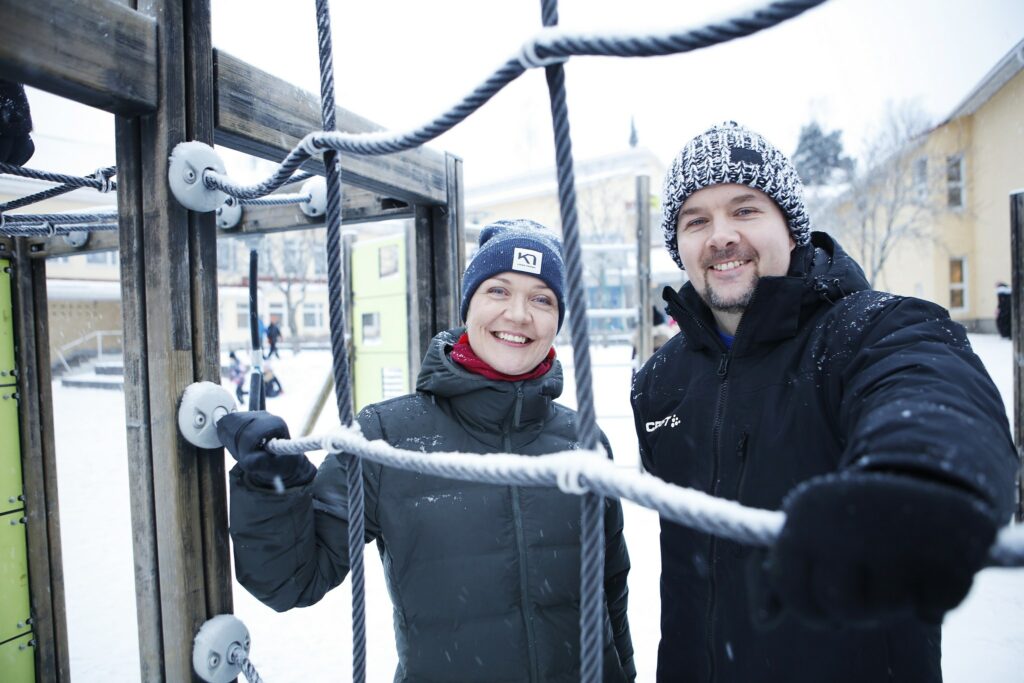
(438, 259)
(39, 466)
(1017, 335)
(643, 269)
(170, 312)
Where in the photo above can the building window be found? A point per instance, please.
(227, 256)
(101, 258)
(921, 178)
(276, 311)
(242, 315)
(957, 283)
(319, 258)
(955, 181)
(371, 328)
(388, 260)
(313, 316)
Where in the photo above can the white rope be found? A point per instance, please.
(583, 471)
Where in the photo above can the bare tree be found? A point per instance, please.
(888, 202)
(289, 260)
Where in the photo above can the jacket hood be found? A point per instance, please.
(820, 273)
(481, 402)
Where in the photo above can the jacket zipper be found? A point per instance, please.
(517, 517)
(723, 372)
(741, 452)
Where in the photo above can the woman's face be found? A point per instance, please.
(512, 321)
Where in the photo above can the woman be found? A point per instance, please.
(484, 579)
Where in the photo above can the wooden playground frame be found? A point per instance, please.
(152, 64)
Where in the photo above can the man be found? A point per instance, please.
(273, 336)
(864, 416)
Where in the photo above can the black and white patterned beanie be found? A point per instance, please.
(730, 153)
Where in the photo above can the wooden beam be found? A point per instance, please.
(265, 116)
(170, 295)
(449, 239)
(39, 467)
(202, 235)
(1017, 335)
(643, 261)
(97, 52)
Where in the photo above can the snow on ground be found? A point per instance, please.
(983, 639)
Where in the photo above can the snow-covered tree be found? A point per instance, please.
(819, 157)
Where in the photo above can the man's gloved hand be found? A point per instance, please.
(860, 548)
(15, 125)
(245, 435)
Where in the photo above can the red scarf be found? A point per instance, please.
(463, 354)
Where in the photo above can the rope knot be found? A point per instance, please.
(570, 476)
(529, 59)
(104, 180)
(310, 145)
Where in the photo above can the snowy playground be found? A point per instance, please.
(983, 640)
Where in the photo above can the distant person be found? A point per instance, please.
(1004, 309)
(864, 416)
(484, 579)
(237, 374)
(273, 336)
(16, 146)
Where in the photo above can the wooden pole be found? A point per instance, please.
(643, 269)
(1017, 335)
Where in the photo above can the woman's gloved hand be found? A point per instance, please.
(245, 434)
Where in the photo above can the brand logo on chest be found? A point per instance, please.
(670, 421)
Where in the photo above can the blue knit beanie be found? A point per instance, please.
(521, 246)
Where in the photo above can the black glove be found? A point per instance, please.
(246, 433)
(15, 124)
(862, 548)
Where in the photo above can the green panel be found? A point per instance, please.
(10, 448)
(14, 602)
(380, 319)
(6, 326)
(17, 660)
(10, 454)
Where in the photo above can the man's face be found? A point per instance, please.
(729, 236)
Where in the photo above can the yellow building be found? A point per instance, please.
(961, 173)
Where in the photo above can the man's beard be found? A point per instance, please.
(736, 304)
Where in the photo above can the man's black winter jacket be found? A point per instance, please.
(484, 579)
(824, 375)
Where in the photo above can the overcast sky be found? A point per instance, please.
(400, 62)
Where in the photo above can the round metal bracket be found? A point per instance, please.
(211, 648)
(229, 214)
(189, 161)
(77, 238)
(316, 188)
(202, 405)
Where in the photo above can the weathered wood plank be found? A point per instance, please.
(1017, 335)
(422, 276)
(266, 116)
(97, 52)
(213, 505)
(643, 262)
(449, 238)
(136, 398)
(39, 469)
(358, 206)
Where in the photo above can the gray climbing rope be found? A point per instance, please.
(47, 229)
(102, 177)
(592, 550)
(551, 45)
(336, 312)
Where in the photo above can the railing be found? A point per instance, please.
(98, 335)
